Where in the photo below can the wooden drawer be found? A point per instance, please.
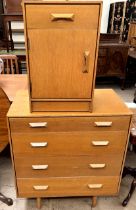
(77, 186)
(21, 125)
(63, 166)
(62, 16)
(69, 143)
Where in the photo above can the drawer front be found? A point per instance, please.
(35, 167)
(62, 16)
(35, 125)
(78, 186)
(69, 143)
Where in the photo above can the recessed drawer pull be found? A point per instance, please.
(103, 124)
(39, 167)
(38, 125)
(39, 144)
(40, 187)
(95, 186)
(100, 143)
(97, 165)
(62, 16)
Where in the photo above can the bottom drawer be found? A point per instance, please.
(60, 187)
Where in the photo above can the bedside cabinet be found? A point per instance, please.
(62, 40)
(58, 154)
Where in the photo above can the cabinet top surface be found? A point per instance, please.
(61, 1)
(105, 103)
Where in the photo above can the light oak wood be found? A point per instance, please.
(38, 203)
(68, 31)
(94, 201)
(58, 124)
(62, 16)
(10, 64)
(69, 143)
(64, 105)
(68, 186)
(65, 166)
(106, 103)
(11, 83)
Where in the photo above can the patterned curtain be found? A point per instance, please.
(121, 14)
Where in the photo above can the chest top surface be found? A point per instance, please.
(106, 103)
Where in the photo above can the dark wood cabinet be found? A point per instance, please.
(1, 23)
(12, 12)
(12, 6)
(112, 58)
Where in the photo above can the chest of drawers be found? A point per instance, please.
(67, 153)
(62, 44)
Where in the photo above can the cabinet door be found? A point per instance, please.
(62, 51)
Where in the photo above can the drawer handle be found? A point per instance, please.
(39, 144)
(100, 143)
(57, 16)
(103, 124)
(86, 65)
(95, 186)
(40, 187)
(97, 165)
(38, 125)
(39, 167)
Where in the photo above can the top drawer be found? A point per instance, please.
(63, 124)
(62, 16)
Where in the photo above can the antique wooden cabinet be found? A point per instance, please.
(62, 44)
(12, 6)
(112, 58)
(58, 154)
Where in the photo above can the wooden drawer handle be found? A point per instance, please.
(97, 165)
(86, 60)
(95, 186)
(61, 16)
(103, 124)
(39, 167)
(40, 187)
(39, 144)
(38, 125)
(100, 143)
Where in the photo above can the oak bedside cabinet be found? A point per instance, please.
(59, 154)
(62, 40)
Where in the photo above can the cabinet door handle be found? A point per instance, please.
(86, 59)
(38, 125)
(95, 186)
(103, 124)
(62, 16)
(39, 144)
(39, 167)
(100, 143)
(40, 187)
(97, 165)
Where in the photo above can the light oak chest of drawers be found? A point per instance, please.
(62, 40)
(57, 154)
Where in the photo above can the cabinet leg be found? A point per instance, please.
(38, 203)
(94, 201)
